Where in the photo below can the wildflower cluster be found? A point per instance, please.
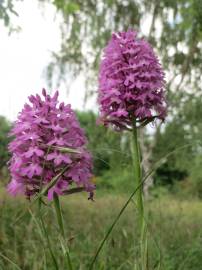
(131, 82)
(47, 139)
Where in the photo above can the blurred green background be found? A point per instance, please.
(173, 194)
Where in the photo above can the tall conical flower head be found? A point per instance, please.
(48, 138)
(131, 82)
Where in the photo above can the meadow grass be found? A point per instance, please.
(175, 234)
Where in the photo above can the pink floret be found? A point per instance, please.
(44, 127)
(131, 82)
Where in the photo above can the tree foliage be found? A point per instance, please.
(86, 28)
(173, 27)
(7, 10)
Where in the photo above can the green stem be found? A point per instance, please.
(62, 232)
(47, 237)
(137, 172)
(139, 199)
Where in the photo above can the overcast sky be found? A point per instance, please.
(24, 56)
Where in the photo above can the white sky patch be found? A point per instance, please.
(24, 56)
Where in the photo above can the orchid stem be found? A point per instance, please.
(139, 199)
(44, 231)
(62, 231)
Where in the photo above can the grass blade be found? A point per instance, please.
(10, 261)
